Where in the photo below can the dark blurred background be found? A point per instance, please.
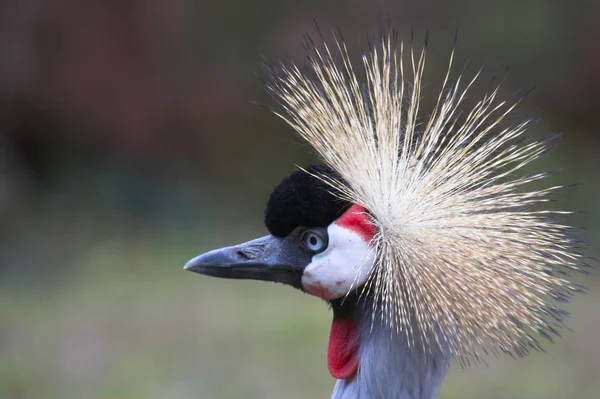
(130, 141)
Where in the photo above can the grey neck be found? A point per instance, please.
(390, 368)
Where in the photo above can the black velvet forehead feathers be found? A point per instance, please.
(303, 200)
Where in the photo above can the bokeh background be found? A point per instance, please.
(130, 141)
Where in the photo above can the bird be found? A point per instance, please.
(424, 232)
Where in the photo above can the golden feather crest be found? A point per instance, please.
(465, 258)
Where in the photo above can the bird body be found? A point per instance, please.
(423, 234)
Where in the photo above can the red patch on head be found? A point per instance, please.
(342, 352)
(356, 219)
(317, 290)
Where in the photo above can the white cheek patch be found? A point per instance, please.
(344, 265)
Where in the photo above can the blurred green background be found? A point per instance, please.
(129, 142)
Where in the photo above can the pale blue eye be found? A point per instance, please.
(313, 242)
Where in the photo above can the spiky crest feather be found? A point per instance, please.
(462, 260)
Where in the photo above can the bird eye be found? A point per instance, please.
(314, 242)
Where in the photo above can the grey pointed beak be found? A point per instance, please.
(267, 258)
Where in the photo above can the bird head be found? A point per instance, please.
(318, 243)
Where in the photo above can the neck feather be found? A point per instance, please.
(388, 366)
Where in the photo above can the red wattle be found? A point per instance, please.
(342, 352)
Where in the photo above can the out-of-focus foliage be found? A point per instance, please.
(129, 142)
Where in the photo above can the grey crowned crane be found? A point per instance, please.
(423, 234)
